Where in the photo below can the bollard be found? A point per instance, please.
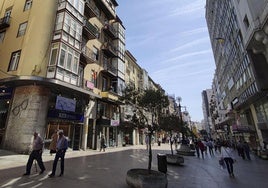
(162, 162)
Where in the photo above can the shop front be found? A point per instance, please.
(64, 114)
(30, 103)
(108, 128)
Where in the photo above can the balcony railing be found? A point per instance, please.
(90, 30)
(110, 68)
(110, 30)
(4, 22)
(89, 55)
(109, 49)
(91, 10)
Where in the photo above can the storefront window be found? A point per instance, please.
(262, 111)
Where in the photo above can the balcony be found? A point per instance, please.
(4, 22)
(90, 31)
(88, 56)
(109, 95)
(109, 49)
(110, 30)
(109, 69)
(108, 11)
(91, 10)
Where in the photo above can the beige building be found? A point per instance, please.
(62, 67)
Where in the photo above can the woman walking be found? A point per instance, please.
(227, 154)
(53, 143)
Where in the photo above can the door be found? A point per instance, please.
(77, 136)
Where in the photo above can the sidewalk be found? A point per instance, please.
(10, 159)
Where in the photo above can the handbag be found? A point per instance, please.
(221, 162)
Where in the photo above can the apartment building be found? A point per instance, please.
(206, 98)
(240, 79)
(62, 67)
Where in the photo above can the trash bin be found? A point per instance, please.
(162, 162)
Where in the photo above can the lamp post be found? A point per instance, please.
(181, 120)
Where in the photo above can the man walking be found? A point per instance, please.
(62, 145)
(36, 154)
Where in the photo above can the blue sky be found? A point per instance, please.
(169, 38)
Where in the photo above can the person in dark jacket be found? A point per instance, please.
(102, 143)
(62, 146)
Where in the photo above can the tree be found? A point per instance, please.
(149, 101)
(170, 123)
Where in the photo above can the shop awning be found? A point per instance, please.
(242, 129)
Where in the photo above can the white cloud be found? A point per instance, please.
(186, 55)
(189, 8)
(194, 31)
(191, 44)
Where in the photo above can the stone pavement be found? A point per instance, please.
(108, 169)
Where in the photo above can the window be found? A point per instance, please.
(104, 84)
(62, 57)
(2, 36)
(95, 53)
(54, 54)
(14, 61)
(22, 29)
(69, 59)
(28, 5)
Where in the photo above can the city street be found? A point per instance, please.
(108, 169)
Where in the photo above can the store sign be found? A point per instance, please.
(89, 85)
(114, 122)
(65, 104)
(66, 115)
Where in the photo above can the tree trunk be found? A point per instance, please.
(171, 145)
(150, 151)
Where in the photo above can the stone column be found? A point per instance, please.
(28, 113)
(85, 134)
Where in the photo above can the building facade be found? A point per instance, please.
(62, 67)
(239, 83)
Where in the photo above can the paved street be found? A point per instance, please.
(108, 170)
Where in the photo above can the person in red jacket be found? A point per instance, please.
(202, 147)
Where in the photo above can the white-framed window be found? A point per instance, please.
(62, 57)
(59, 21)
(2, 36)
(28, 5)
(54, 54)
(14, 61)
(68, 59)
(75, 63)
(22, 29)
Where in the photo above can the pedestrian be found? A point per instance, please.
(246, 150)
(240, 150)
(53, 144)
(197, 149)
(227, 154)
(210, 147)
(219, 144)
(176, 142)
(62, 146)
(36, 154)
(201, 147)
(159, 141)
(102, 143)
